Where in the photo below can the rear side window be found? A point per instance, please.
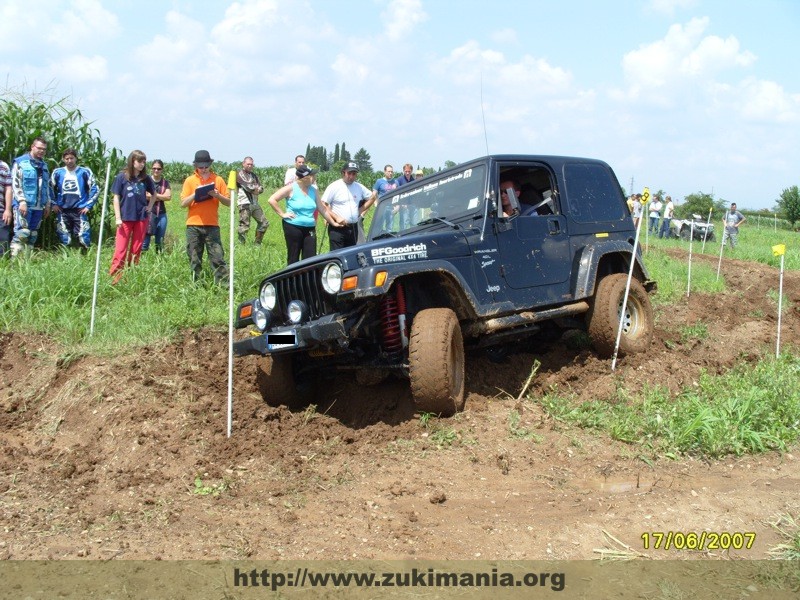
(594, 194)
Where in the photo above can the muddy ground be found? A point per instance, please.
(127, 457)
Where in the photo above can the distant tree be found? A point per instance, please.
(449, 163)
(308, 149)
(659, 195)
(335, 154)
(344, 155)
(699, 204)
(362, 159)
(338, 166)
(789, 203)
(318, 155)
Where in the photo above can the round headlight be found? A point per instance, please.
(268, 296)
(332, 278)
(297, 311)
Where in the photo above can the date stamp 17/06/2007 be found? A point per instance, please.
(700, 541)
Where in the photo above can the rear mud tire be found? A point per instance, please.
(436, 362)
(278, 385)
(685, 234)
(603, 318)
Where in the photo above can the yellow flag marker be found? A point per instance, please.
(232, 180)
(779, 250)
(646, 195)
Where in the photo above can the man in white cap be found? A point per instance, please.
(343, 202)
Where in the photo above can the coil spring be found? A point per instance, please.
(392, 306)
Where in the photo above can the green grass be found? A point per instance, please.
(698, 331)
(154, 301)
(516, 430)
(788, 528)
(754, 244)
(671, 275)
(752, 408)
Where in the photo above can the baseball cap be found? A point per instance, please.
(304, 171)
(351, 166)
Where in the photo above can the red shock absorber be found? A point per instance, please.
(401, 310)
(390, 322)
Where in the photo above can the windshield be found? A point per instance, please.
(434, 198)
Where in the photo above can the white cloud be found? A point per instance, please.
(683, 55)
(350, 70)
(767, 101)
(46, 25)
(715, 54)
(401, 17)
(467, 64)
(83, 22)
(77, 68)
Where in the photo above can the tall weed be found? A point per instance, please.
(752, 408)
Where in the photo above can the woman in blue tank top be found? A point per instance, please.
(298, 218)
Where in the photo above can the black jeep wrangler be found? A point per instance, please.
(448, 264)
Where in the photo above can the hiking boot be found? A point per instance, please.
(259, 236)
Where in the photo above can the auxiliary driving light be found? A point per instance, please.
(298, 311)
(261, 316)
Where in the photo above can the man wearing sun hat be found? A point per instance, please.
(343, 202)
(202, 222)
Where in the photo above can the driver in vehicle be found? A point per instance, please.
(511, 207)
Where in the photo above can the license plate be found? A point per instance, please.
(278, 341)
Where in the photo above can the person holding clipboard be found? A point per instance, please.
(202, 193)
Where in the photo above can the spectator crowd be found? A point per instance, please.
(29, 193)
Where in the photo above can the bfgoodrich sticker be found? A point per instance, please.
(391, 254)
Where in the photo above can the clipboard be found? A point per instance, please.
(203, 192)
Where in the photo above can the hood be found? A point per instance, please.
(428, 245)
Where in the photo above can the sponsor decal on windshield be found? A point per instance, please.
(434, 185)
(390, 254)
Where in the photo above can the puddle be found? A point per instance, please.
(614, 485)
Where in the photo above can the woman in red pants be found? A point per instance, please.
(134, 195)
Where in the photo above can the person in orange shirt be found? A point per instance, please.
(202, 223)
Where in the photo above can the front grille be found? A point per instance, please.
(304, 285)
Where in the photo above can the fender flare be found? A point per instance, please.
(588, 260)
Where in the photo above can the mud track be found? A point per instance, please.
(127, 457)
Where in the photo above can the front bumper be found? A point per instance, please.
(324, 330)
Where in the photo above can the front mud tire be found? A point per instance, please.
(603, 318)
(278, 385)
(436, 362)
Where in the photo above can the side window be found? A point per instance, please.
(533, 188)
(594, 194)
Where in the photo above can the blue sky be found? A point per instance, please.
(680, 95)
